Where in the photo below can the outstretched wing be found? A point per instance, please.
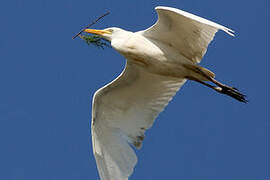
(122, 111)
(188, 33)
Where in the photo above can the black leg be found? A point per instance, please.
(223, 89)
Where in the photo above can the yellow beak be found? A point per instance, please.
(98, 32)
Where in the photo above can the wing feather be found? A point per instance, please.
(122, 111)
(188, 33)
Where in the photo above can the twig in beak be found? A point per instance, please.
(91, 24)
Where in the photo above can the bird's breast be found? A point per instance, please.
(140, 49)
(155, 56)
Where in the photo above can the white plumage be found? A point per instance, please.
(187, 33)
(159, 61)
(122, 111)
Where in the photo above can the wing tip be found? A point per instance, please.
(229, 31)
(225, 29)
(167, 8)
(159, 7)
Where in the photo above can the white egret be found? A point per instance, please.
(159, 60)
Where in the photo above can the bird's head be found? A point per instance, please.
(108, 33)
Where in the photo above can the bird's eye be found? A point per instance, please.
(111, 30)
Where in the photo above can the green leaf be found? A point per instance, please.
(96, 40)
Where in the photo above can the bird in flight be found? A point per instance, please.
(159, 60)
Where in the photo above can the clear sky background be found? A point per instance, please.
(48, 80)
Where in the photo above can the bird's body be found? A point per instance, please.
(144, 52)
(159, 61)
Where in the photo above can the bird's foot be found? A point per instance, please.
(231, 91)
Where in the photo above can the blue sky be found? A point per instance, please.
(48, 81)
